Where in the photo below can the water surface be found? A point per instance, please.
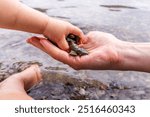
(128, 20)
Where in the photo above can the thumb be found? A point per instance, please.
(78, 32)
(63, 44)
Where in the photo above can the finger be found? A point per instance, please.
(35, 41)
(55, 52)
(78, 32)
(63, 44)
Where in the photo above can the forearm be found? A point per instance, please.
(15, 15)
(135, 56)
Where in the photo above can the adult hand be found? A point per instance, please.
(102, 48)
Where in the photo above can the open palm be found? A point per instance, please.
(101, 46)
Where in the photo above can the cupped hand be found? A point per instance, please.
(103, 51)
(57, 31)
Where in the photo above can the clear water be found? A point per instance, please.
(124, 22)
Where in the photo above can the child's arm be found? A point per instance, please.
(15, 15)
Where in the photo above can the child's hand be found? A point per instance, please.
(102, 47)
(24, 18)
(57, 31)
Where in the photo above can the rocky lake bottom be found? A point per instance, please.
(127, 20)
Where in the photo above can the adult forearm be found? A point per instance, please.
(15, 15)
(135, 56)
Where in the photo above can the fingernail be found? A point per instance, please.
(28, 40)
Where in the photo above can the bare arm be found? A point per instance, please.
(17, 16)
(106, 52)
(134, 56)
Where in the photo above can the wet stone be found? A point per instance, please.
(16, 55)
(93, 96)
(58, 90)
(139, 92)
(82, 91)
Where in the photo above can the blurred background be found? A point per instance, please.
(128, 20)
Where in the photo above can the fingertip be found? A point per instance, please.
(84, 39)
(29, 40)
(77, 31)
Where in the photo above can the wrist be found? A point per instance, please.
(134, 56)
(47, 27)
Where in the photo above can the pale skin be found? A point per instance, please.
(17, 16)
(106, 52)
(15, 87)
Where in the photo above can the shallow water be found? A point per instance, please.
(127, 19)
